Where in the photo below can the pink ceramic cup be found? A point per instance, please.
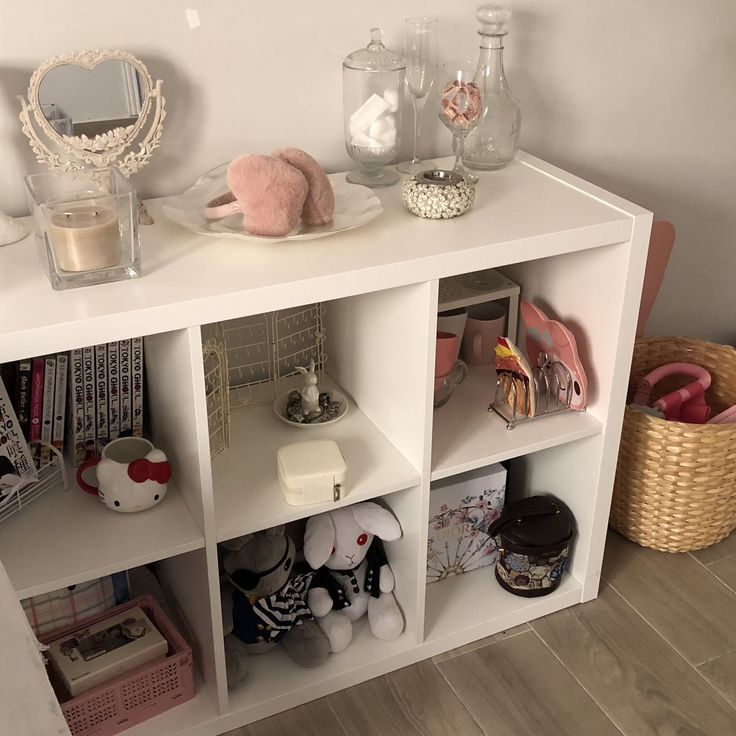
(486, 323)
(445, 356)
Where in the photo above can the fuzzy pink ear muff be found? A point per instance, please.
(319, 206)
(270, 193)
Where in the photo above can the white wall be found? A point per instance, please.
(638, 96)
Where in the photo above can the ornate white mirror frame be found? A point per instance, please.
(80, 152)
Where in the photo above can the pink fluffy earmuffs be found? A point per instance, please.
(274, 193)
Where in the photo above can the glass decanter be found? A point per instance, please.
(373, 95)
(494, 141)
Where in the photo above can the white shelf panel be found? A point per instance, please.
(190, 717)
(524, 211)
(466, 435)
(467, 607)
(67, 537)
(459, 291)
(276, 683)
(246, 487)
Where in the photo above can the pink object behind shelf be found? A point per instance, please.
(661, 242)
(686, 404)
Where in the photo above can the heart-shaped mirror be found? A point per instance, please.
(92, 106)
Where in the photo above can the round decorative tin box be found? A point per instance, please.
(533, 538)
(437, 194)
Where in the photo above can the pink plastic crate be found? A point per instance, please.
(137, 695)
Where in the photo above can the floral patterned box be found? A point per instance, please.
(461, 508)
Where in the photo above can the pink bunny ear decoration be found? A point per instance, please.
(377, 521)
(319, 540)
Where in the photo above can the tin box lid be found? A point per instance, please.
(310, 459)
(537, 521)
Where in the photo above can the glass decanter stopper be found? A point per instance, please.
(493, 142)
(373, 92)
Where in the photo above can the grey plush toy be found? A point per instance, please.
(263, 606)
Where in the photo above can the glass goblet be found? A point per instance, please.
(460, 108)
(422, 60)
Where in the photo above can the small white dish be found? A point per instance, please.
(355, 205)
(279, 409)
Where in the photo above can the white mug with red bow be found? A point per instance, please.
(132, 475)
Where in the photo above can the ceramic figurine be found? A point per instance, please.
(309, 392)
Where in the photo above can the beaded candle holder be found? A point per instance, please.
(437, 194)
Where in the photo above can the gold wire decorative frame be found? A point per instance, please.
(251, 360)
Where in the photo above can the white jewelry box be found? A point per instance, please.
(104, 650)
(311, 472)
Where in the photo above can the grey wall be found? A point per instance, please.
(639, 96)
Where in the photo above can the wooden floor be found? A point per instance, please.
(655, 654)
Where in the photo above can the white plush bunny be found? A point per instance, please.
(339, 541)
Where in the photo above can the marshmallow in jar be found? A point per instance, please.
(373, 89)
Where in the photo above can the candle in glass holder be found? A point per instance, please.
(85, 234)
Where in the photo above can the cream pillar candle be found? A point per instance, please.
(85, 235)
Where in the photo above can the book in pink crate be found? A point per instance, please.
(101, 651)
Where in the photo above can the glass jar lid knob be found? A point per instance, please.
(494, 20)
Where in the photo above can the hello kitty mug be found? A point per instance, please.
(132, 475)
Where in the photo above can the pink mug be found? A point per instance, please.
(486, 323)
(446, 353)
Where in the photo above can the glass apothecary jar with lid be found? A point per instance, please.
(494, 141)
(373, 92)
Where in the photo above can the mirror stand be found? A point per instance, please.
(69, 145)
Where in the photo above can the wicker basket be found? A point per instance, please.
(675, 487)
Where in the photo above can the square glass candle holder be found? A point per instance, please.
(86, 227)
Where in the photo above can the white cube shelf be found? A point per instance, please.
(577, 250)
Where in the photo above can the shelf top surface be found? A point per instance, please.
(247, 503)
(67, 537)
(527, 210)
(466, 435)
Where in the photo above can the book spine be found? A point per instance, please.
(113, 390)
(75, 405)
(62, 376)
(36, 404)
(101, 400)
(23, 396)
(126, 421)
(88, 383)
(47, 416)
(137, 385)
(13, 446)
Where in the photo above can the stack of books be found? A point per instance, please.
(105, 396)
(77, 402)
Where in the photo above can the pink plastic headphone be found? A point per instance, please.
(684, 405)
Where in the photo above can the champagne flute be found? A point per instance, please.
(460, 108)
(422, 60)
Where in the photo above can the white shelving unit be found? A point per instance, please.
(578, 251)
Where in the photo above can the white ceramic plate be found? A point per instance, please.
(279, 409)
(355, 205)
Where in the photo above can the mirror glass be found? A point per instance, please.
(78, 101)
